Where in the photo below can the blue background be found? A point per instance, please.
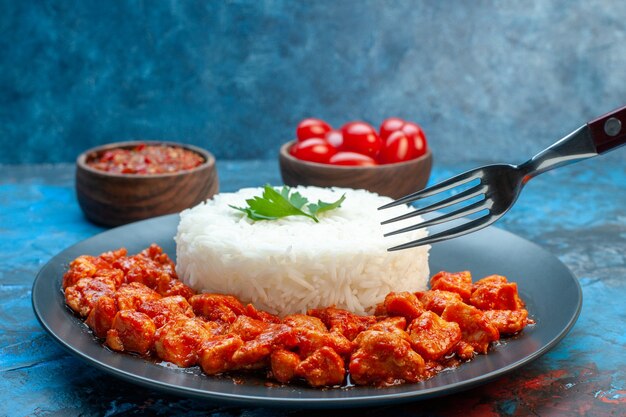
(487, 80)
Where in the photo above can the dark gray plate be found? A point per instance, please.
(552, 294)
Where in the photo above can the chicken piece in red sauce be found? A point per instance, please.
(84, 266)
(385, 358)
(216, 328)
(82, 296)
(131, 331)
(155, 252)
(131, 296)
(432, 337)
(283, 364)
(404, 304)
(179, 340)
(507, 321)
(306, 322)
(247, 328)
(437, 300)
(255, 353)
(101, 316)
(167, 286)
(147, 267)
(389, 324)
(495, 293)
(113, 255)
(141, 270)
(464, 350)
(220, 307)
(252, 312)
(102, 272)
(324, 367)
(81, 267)
(457, 282)
(114, 275)
(162, 310)
(216, 354)
(476, 329)
(312, 335)
(342, 321)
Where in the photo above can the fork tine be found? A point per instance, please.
(437, 188)
(463, 211)
(461, 230)
(465, 195)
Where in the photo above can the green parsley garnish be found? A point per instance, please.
(275, 204)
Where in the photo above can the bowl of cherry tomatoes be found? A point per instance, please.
(393, 160)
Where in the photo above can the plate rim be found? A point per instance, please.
(291, 402)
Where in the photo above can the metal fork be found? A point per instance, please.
(501, 184)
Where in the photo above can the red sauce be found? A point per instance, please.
(146, 160)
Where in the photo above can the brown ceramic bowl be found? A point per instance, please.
(392, 180)
(113, 199)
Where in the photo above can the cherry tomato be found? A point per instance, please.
(314, 150)
(312, 128)
(361, 137)
(398, 147)
(351, 158)
(415, 133)
(335, 138)
(389, 126)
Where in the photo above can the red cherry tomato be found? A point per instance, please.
(312, 128)
(361, 137)
(389, 126)
(398, 147)
(335, 138)
(314, 150)
(416, 135)
(351, 158)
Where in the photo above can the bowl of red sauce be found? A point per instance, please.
(123, 182)
(392, 160)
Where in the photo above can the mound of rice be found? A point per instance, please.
(292, 264)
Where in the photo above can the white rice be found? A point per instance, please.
(292, 264)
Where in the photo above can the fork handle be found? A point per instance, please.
(609, 130)
(601, 135)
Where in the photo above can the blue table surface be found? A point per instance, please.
(577, 213)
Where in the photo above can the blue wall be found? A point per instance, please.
(487, 81)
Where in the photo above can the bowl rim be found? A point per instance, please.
(285, 154)
(81, 159)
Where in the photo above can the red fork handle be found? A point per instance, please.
(609, 130)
